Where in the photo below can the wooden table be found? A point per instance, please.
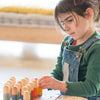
(60, 97)
(53, 95)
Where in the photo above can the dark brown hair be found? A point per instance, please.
(79, 7)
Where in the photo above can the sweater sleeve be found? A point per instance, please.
(91, 86)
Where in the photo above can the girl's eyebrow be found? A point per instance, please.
(66, 18)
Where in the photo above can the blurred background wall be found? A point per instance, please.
(29, 39)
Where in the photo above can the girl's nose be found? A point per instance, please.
(67, 28)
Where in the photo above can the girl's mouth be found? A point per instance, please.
(72, 33)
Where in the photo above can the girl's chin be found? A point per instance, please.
(74, 38)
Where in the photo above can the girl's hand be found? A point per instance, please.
(50, 82)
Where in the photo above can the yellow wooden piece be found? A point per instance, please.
(39, 91)
(27, 10)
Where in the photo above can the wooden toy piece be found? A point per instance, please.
(26, 95)
(6, 92)
(39, 90)
(23, 82)
(18, 87)
(15, 93)
(29, 89)
(11, 85)
(35, 87)
(20, 83)
(14, 79)
(32, 90)
(13, 82)
(27, 80)
(24, 88)
(7, 83)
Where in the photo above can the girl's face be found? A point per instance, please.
(78, 27)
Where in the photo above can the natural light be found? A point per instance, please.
(47, 4)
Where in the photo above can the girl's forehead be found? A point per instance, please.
(65, 15)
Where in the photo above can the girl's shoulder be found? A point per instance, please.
(97, 35)
(96, 45)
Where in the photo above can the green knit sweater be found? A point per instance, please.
(88, 84)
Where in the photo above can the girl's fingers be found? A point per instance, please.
(47, 82)
(45, 79)
(44, 85)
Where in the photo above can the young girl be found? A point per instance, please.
(77, 71)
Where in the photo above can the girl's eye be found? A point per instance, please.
(70, 20)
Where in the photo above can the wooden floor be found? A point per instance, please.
(21, 59)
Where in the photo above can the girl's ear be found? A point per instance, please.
(89, 13)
